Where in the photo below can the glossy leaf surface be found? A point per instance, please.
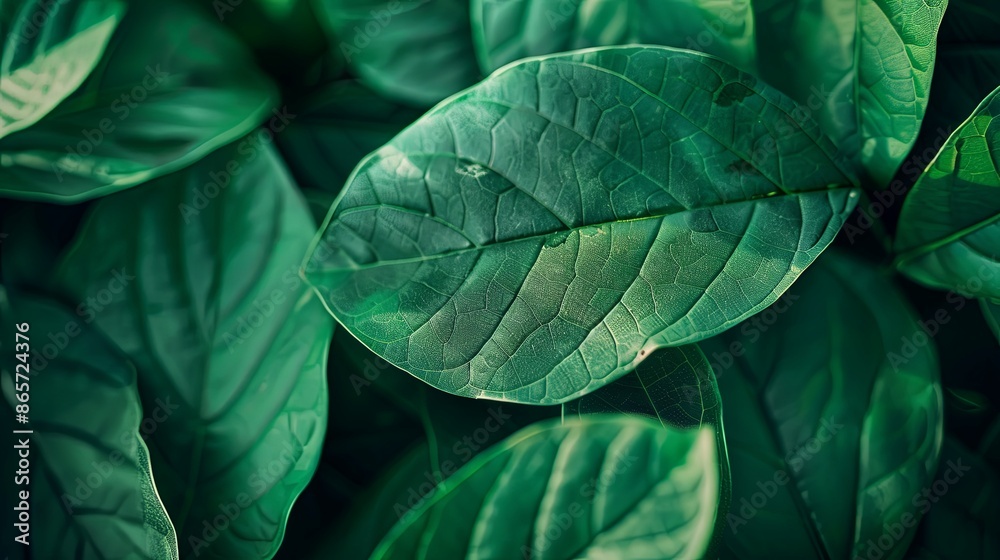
(676, 387)
(863, 68)
(513, 246)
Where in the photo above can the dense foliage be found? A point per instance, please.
(538, 279)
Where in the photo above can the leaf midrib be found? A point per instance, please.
(541, 236)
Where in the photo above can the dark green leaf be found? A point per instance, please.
(863, 68)
(514, 246)
(606, 487)
(991, 312)
(393, 405)
(414, 51)
(833, 415)
(949, 229)
(338, 128)
(506, 31)
(91, 492)
(197, 282)
(172, 87)
(49, 48)
(963, 509)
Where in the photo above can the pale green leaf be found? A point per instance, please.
(49, 48)
(600, 487)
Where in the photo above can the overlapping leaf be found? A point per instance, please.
(601, 487)
(949, 229)
(991, 311)
(863, 68)
(91, 490)
(339, 127)
(676, 387)
(833, 414)
(961, 522)
(413, 51)
(537, 236)
(49, 48)
(507, 31)
(172, 87)
(195, 277)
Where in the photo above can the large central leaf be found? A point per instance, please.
(538, 235)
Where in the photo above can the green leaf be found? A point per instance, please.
(413, 51)
(676, 387)
(91, 491)
(452, 431)
(197, 282)
(949, 228)
(862, 67)
(172, 87)
(515, 246)
(506, 31)
(49, 48)
(961, 522)
(991, 312)
(606, 487)
(833, 416)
